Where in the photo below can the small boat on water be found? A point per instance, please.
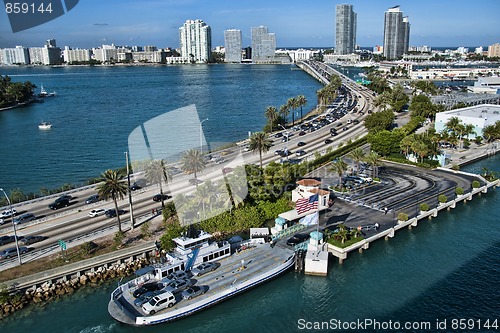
(45, 125)
(45, 93)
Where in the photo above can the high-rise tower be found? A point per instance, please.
(232, 43)
(396, 33)
(195, 41)
(263, 45)
(345, 29)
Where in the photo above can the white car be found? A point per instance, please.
(159, 302)
(8, 213)
(97, 212)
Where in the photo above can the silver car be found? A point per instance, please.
(204, 268)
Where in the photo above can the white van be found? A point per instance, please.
(159, 302)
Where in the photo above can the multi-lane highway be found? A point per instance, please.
(73, 224)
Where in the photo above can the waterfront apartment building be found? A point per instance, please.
(494, 50)
(195, 41)
(263, 45)
(13, 56)
(345, 29)
(232, 44)
(78, 55)
(396, 33)
(46, 55)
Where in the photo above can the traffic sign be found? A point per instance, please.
(62, 244)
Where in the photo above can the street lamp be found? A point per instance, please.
(131, 210)
(13, 225)
(201, 135)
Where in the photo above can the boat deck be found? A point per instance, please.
(257, 260)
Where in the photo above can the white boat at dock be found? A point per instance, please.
(242, 266)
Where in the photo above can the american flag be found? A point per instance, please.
(303, 205)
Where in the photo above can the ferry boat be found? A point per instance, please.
(241, 266)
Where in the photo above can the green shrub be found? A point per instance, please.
(402, 217)
(459, 191)
(118, 238)
(455, 167)
(424, 207)
(442, 198)
(476, 184)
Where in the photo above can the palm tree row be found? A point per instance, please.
(455, 127)
(275, 116)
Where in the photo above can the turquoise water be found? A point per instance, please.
(444, 269)
(97, 108)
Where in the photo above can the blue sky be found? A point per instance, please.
(295, 22)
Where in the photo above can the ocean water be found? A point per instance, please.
(96, 108)
(443, 271)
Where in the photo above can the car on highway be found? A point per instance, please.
(227, 170)
(300, 152)
(178, 285)
(92, 199)
(158, 197)
(24, 218)
(328, 141)
(97, 212)
(11, 252)
(194, 291)
(59, 204)
(149, 286)
(8, 213)
(112, 212)
(301, 143)
(204, 268)
(195, 181)
(28, 240)
(64, 198)
(6, 239)
(301, 133)
(297, 239)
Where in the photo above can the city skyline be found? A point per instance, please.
(296, 24)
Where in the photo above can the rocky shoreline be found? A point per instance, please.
(50, 291)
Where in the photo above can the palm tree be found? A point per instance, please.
(469, 129)
(339, 166)
(382, 100)
(284, 111)
(373, 159)
(259, 142)
(421, 149)
(157, 172)
(192, 162)
(112, 186)
(272, 115)
(357, 155)
(406, 143)
(302, 101)
(293, 105)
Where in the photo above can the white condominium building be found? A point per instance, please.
(195, 41)
(232, 44)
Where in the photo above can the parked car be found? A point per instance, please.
(158, 197)
(177, 275)
(297, 239)
(59, 204)
(194, 291)
(28, 240)
(178, 285)
(92, 199)
(139, 301)
(24, 218)
(159, 302)
(150, 286)
(97, 212)
(204, 268)
(11, 252)
(112, 212)
(9, 213)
